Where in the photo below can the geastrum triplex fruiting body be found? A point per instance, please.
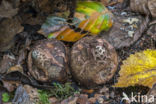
(93, 61)
(47, 61)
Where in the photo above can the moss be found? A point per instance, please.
(60, 91)
(43, 97)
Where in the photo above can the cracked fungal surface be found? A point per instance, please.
(93, 61)
(47, 61)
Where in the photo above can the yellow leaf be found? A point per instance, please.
(90, 18)
(138, 69)
(98, 17)
(67, 34)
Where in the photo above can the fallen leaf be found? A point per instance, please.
(52, 25)
(10, 85)
(9, 29)
(25, 95)
(105, 2)
(7, 10)
(141, 8)
(90, 17)
(83, 99)
(145, 7)
(70, 100)
(15, 68)
(138, 69)
(126, 30)
(8, 61)
(152, 7)
(120, 1)
(90, 91)
(152, 31)
(53, 100)
(97, 17)
(152, 92)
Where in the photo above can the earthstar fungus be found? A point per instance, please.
(47, 60)
(93, 61)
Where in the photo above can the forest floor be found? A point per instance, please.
(17, 85)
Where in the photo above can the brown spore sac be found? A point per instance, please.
(47, 61)
(93, 61)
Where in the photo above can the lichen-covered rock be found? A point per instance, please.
(93, 61)
(47, 61)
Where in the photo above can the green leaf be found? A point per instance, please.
(89, 7)
(5, 97)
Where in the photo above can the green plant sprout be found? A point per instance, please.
(60, 91)
(5, 97)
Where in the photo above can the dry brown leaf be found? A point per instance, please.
(144, 6)
(152, 7)
(8, 30)
(7, 10)
(120, 1)
(10, 85)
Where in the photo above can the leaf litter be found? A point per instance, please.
(128, 43)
